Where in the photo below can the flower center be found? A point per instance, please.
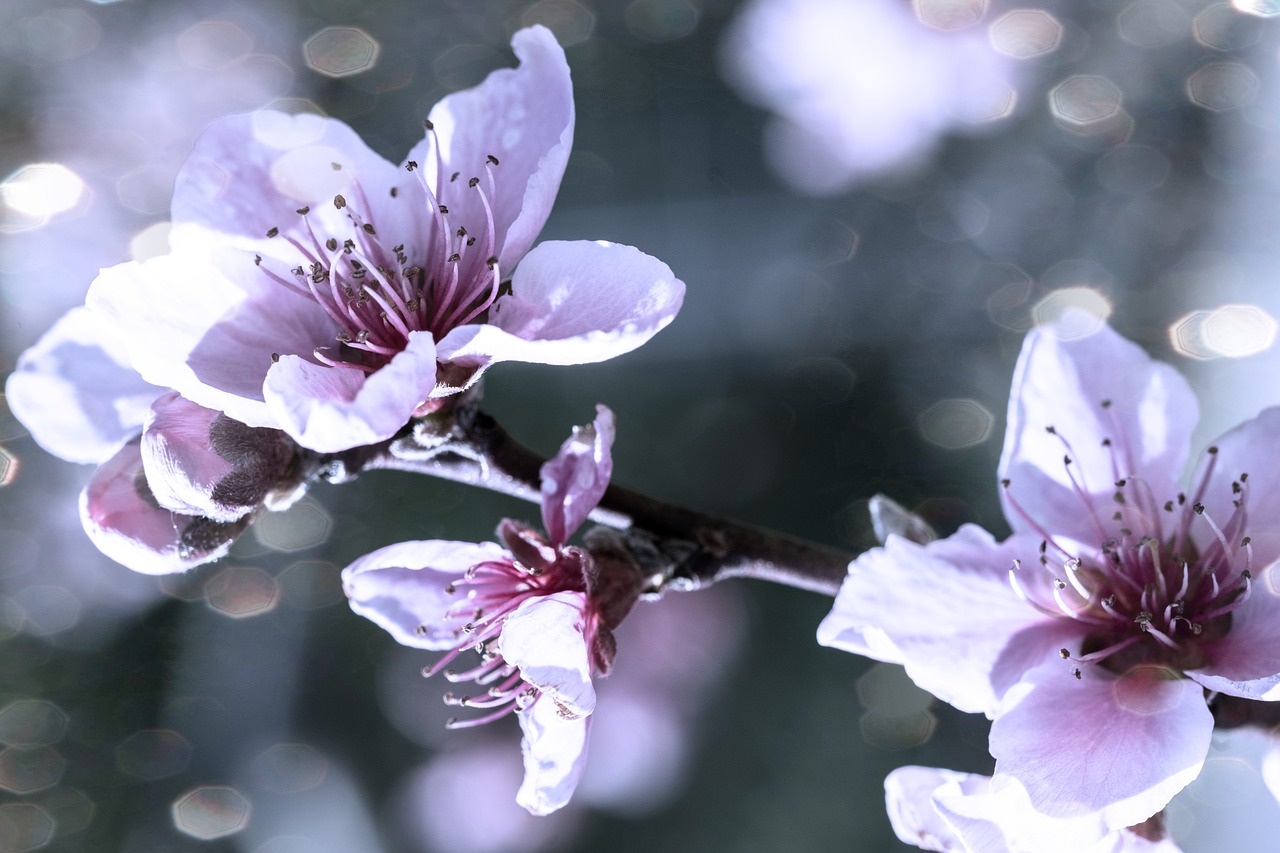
(1144, 592)
(377, 293)
(488, 593)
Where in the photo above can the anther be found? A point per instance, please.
(473, 183)
(1213, 450)
(395, 191)
(1106, 404)
(1050, 430)
(257, 260)
(492, 159)
(444, 209)
(339, 202)
(275, 356)
(1064, 654)
(273, 232)
(411, 165)
(304, 210)
(1005, 482)
(426, 122)
(1197, 508)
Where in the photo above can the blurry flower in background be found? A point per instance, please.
(1115, 606)
(861, 89)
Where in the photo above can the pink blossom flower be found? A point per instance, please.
(952, 812)
(176, 482)
(1094, 633)
(317, 288)
(537, 611)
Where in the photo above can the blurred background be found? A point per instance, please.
(870, 201)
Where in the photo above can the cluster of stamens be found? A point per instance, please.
(487, 594)
(1147, 594)
(375, 293)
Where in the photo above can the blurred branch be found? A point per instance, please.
(677, 547)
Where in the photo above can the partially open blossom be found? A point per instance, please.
(316, 288)
(951, 812)
(1093, 634)
(538, 612)
(176, 482)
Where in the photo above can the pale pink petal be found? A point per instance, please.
(123, 522)
(1065, 384)
(1249, 449)
(207, 326)
(250, 173)
(522, 116)
(555, 753)
(544, 637)
(1246, 660)
(908, 793)
(76, 391)
(575, 479)
(1105, 749)
(946, 611)
(572, 303)
(181, 466)
(403, 588)
(329, 409)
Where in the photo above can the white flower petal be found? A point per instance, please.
(544, 637)
(555, 753)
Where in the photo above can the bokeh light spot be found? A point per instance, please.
(1025, 33)
(1011, 293)
(41, 190)
(1075, 312)
(71, 810)
(48, 609)
(833, 242)
(242, 591)
(661, 20)
(211, 811)
(341, 51)
(571, 22)
(949, 14)
(152, 754)
(1260, 8)
(886, 689)
(52, 37)
(146, 189)
(956, 424)
(290, 768)
(1153, 23)
(32, 722)
(1186, 335)
(900, 731)
(311, 584)
(8, 466)
(24, 770)
(24, 826)
(1221, 86)
(150, 242)
(1085, 99)
(952, 216)
(1236, 331)
(1132, 169)
(1221, 27)
(211, 45)
(304, 525)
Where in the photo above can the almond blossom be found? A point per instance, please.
(538, 611)
(316, 288)
(176, 483)
(1095, 633)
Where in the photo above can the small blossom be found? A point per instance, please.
(319, 289)
(535, 611)
(1093, 634)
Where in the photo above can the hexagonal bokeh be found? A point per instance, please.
(832, 242)
(24, 826)
(571, 22)
(311, 584)
(661, 20)
(1222, 86)
(949, 14)
(1153, 23)
(153, 754)
(289, 768)
(899, 731)
(41, 190)
(886, 689)
(1186, 336)
(953, 216)
(1085, 99)
(212, 45)
(304, 525)
(1025, 33)
(146, 189)
(1260, 8)
(48, 609)
(1075, 312)
(242, 591)
(72, 810)
(1220, 27)
(211, 811)
(9, 465)
(1236, 331)
(32, 722)
(1132, 169)
(24, 770)
(341, 51)
(956, 424)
